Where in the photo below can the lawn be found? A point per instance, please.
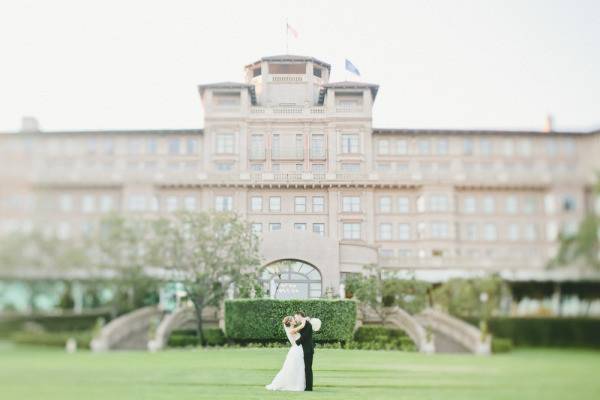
(40, 373)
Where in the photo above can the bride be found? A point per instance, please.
(291, 376)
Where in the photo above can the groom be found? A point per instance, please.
(308, 347)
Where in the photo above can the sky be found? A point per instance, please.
(81, 65)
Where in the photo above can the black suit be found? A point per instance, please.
(308, 347)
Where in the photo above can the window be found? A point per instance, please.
(318, 168)
(383, 146)
(568, 203)
(174, 147)
(256, 72)
(225, 143)
(350, 143)
(257, 228)
(154, 203)
(489, 232)
(551, 147)
(485, 147)
(275, 167)
(551, 231)
(468, 147)
(488, 204)
(351, 230)
(275, 203)
(224, 166)
(403, 204)
(299, 167)
(440, 230)
(317, 146)
(568, 146)
(274, 226)
(191, 146)
(63, 230)
(524, 147)
(469, 205)
(513, 232)
(88, 204)
(318, 204)
(385, 232)
(386, 253)
(65, 203)
(351, 204)
(530, 232)
(442, 146)
(291, 279)
(351, 167)
(171, 203)
(318, 72)
(423, 146)
(106, 203)
(300, 226)
(385, 204)
(257, 147)
(384, 167)
(137, 203)
(300, 204)
(549, 204)
(319, 229)
(256, 167)
(189, 203)
(256, 203)
(439, 203)
(401, 147)
(135, 146)
(404, 231)
(471, 231)
(402, 168)
(151, 146)
(511, 205)
(223, 203)
(509, 147)
(529, 205)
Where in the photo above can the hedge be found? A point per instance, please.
(377, 337)
(546, 332)
(53, 323)
(260, 319)
(54, 339)
(185, 338)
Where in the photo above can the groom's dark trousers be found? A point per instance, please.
(308, 347)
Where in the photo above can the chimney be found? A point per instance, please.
(29, 125)
(548, 125)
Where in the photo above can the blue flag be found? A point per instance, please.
(351, 68)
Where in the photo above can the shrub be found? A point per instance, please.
(185, 338)
(377, 337)
(546, 332)
(53, 323)
(54, 339)
(501, 345)
(260, 319)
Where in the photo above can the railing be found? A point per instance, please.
(295, 110)
(120, 332)
(287, 153)
(461, 332)
(287, 78)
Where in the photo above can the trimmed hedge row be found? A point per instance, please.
(53, 323)
(546, 332)
(377, 337)
(54, 339)
(260, 319)
(186, 338)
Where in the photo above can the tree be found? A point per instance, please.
(120, 250)
(210, 253)
(583, 247)
(380, 294)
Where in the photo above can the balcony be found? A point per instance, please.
(295, 111)
(287, 153)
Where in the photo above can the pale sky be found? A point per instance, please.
(440, 64)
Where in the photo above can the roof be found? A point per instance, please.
(404, 131)
(292, 58)
(114, 132)
(223, 85)
(353, 85)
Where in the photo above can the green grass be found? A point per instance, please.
(42, 373)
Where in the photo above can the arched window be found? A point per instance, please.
(291, 279)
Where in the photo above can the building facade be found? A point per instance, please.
(298, 157)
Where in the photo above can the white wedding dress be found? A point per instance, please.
(291, 376)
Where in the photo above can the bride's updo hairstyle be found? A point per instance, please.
(288, 321)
